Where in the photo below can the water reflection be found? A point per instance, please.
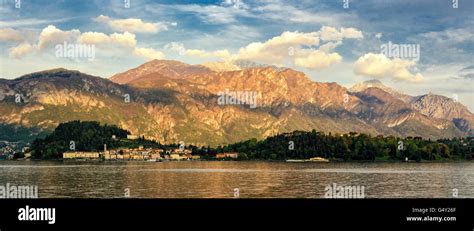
(253, 179)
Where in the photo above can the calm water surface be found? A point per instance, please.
(208, 179)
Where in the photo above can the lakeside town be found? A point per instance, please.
(8, 152)
(143, 154)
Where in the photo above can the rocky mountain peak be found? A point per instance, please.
(439, 106)
(359, 87)
(168, 68)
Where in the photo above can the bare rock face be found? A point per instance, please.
(431, 105)
(442, 107)
(170, 101)
(378, 84)
(169, 68)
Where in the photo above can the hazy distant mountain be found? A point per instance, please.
(169, 68)
(433, 106)
(250, 64)
(172, 101)
(237, 65)
(222, 66)
(358, 87)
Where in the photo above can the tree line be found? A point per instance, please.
(352, 146)
(91, 136)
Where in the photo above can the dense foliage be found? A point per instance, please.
(352, 146)
(18, 133)
(91, 136)
(79, 136)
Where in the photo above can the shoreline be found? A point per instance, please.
(254, 160)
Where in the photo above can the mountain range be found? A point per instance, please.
(171, 101)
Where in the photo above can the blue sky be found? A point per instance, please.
(330, 43)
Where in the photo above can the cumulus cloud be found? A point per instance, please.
(52, 35)
(379, 66)
(134, 25)
(21, 50)
(317, 60)
(148, 53)
(49, 36)
(277, 49)
(311, 50)
(332, 34)
(125, 39)
(303, 49)
(93, 38)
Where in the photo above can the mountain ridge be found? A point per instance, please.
(431, 105)
(184, 107)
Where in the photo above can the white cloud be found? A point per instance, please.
(332, 34)
(52, 35)
(224, 54)
(93, 38)
(125, 39)
(302, 49)
(148, 53)
(175, 46)
(327, 47)
(238, 4)
(21, 50)
(134, 25)
(277, 49)
(317, 60)
(179, 47)
(12, 35)
(379, 66)
(351, 33)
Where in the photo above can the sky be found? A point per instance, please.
(431, 42)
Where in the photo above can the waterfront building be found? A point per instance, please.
(80, 155)
(232, 155)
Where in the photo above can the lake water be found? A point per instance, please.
(253, 179)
